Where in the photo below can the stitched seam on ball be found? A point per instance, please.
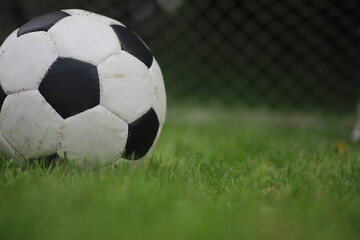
(12, 147)
(61, 134)
(23, 90)
(109, 56)
(49, 67)
(52, 42)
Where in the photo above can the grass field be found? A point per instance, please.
(214, 174)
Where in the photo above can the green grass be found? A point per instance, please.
(230, 174)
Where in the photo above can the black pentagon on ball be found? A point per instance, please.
(132, 44)
(71, 86)
(42, 23)
(2, 97)
(141, 136)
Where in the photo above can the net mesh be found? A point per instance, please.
(289, 54)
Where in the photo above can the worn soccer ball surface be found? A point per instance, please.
(79, 85)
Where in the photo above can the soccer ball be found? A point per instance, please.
(80, 86)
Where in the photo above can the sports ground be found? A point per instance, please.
(214, 174)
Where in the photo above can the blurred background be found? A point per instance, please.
(297, 54)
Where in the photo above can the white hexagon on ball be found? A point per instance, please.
(93, 137)
(125, 87)
(85, 39)
(30, 125)
(22, 66)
